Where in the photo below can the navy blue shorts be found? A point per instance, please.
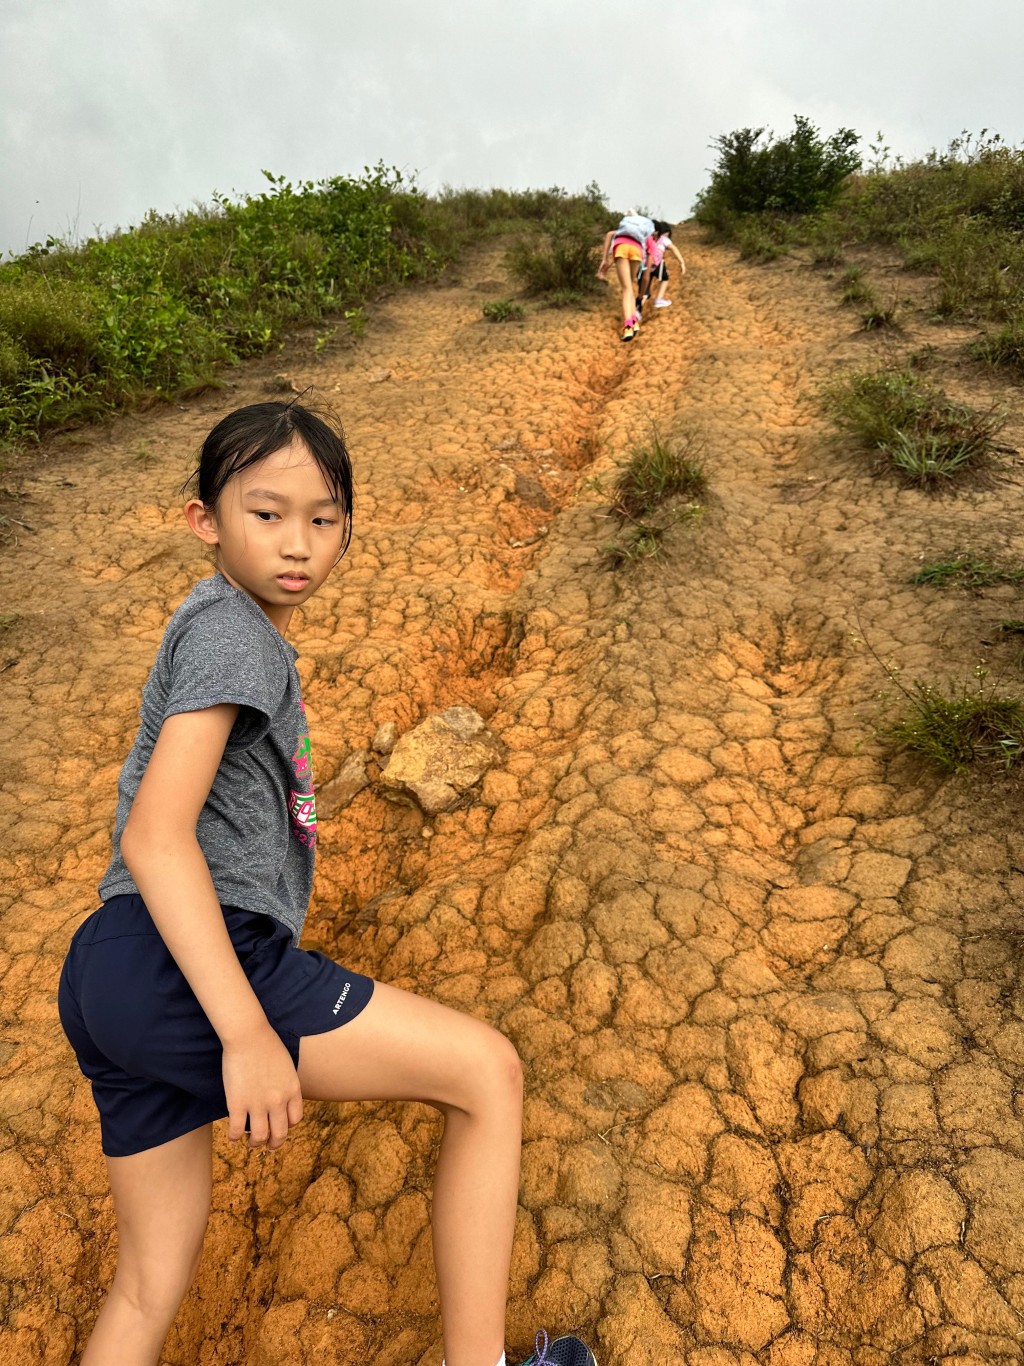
(140, 1034)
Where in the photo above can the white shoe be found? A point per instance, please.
(663, 303)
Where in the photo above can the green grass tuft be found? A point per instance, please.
(965, 569)
(659, 469)
(1003, 347)
(855, 289)
(657, 489)
(503, 311)
(876, 317)
(926, 437)
(961, 726)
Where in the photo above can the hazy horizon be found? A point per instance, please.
(110, 110)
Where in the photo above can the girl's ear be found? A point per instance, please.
(202, 522)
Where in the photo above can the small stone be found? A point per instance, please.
(384, 737)
(437, 763)
(378, 376)
(530, 492)
(346, 785)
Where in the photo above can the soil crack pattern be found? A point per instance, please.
(763, 975)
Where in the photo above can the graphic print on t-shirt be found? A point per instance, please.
(302, 799)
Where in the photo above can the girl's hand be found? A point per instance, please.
(260, 1081)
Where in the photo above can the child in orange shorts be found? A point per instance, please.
(625, 245)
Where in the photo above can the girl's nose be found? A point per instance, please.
(296, 540)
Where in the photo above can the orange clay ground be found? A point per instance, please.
(765, 974)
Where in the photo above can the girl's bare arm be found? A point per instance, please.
(675, 252)
(162, 853)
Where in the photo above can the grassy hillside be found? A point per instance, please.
(958, 214)
(155, 310)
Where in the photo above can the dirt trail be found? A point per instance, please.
(765, 977)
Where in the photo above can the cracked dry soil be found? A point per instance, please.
(765, 976)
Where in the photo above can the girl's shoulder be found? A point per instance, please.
(220, 646)
(220, 620)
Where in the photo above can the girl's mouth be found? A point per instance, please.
(292, 582)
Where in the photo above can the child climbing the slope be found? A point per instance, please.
(626, 247)
(656, 269)
(186, 996)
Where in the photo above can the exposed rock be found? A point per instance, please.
(440, 760)
(384, 737)
(346, 784)
(529, 491)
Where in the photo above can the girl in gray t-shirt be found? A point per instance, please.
(186, 996)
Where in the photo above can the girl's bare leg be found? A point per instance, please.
(627, 283)
(162, 1203)
(402, 1047)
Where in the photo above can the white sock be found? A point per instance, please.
(500, 1362)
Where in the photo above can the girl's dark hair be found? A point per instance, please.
(252, 433)
(661, 226)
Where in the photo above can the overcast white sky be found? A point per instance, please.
(111, 107)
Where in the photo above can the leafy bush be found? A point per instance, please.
(957, 214)
(50, 319)
(762, 239)
(563, 258)
(925, 436)
(755, 174)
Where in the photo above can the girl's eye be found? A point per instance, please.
(323, 521)
(266, 516)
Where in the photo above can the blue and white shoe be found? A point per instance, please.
(567, 1351)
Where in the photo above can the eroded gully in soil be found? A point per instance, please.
(761, 974)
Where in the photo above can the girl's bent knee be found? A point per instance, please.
(505, 1068)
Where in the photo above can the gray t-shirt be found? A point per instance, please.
(257, 829)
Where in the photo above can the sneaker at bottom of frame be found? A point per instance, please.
(564, 1351)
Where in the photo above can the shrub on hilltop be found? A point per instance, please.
(758, 173)
(957, 214)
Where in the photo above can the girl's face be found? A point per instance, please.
(277, 528)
